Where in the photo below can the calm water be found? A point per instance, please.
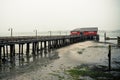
(109, 34)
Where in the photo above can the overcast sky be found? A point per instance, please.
(46, 15)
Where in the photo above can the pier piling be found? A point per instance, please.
(7, 51)
(0, 55)
(109, 58)
(118, 41)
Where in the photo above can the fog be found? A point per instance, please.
(58, 15)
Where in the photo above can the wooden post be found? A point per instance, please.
(27, 49)
(19, 51)
(7, 51)
(49, 45)
(4, 52)
(56, 44)
(45, 50)
(118, 41)
(33, 51)
(109, 58)
(22, 51)
(0, 55)
(11, 53)
(45, 45)
(63, 42)
(27, 52)
(41, 48)
(105, 36)
(33, 48)
(0, 58)
(41, 45)
(14, 50)
(37, 48)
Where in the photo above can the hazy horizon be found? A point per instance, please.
(58, 15)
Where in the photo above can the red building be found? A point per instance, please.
(91, 31)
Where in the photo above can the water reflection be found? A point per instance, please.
(26, 62)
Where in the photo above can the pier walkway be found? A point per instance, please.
(26, 45)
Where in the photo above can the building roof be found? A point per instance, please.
(86, 29)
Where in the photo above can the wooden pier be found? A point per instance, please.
(22, 45)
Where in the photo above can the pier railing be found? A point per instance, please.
(25, 39)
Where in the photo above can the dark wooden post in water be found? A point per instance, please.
(33, 48)
(41, 48)
(27, 51)
(49, 45)
(7, 51)
(19, 52)
(0, 55)
(0, 58)
(63, 42)
(109, 58)
(105, 37)
(118, 41)
(41, 45)
(52, 44)
(11, 50)
(33, 51)
(22, 51)
(3, 53)
(12, 53)
(37, 48)
(45, 48)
